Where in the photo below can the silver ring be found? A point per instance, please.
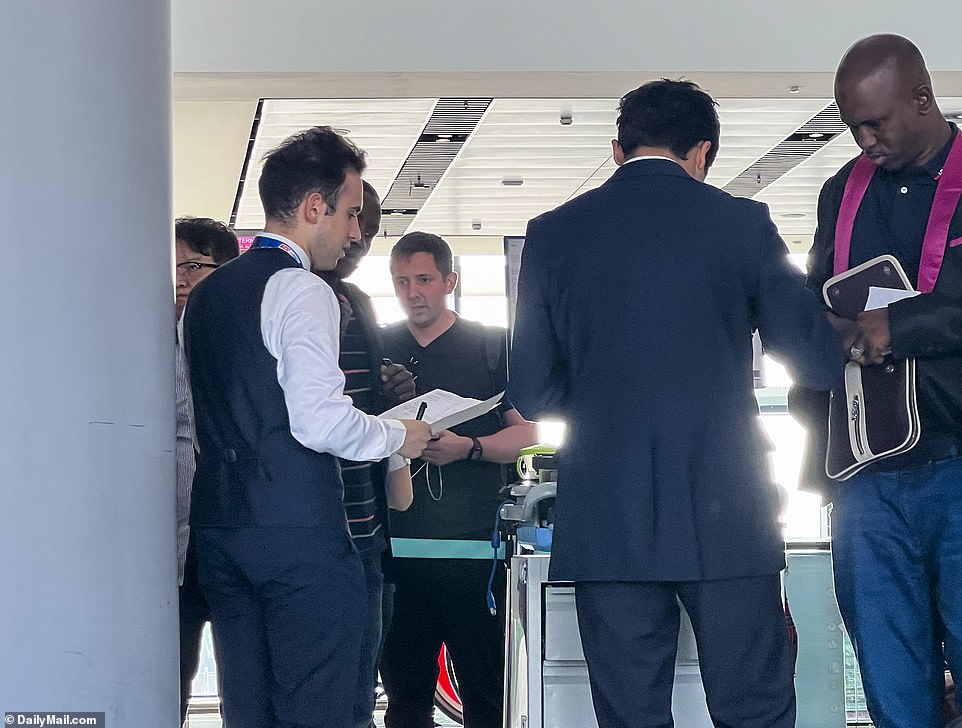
(855, 352)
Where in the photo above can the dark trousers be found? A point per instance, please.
(287, 611)
(371, 644)
(443, 601)
(194, 613)
(629, 631)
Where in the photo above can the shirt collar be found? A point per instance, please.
(931, 170)
(934, 166)
(302, 256)
(651, 156)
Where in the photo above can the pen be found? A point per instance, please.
(424, 406)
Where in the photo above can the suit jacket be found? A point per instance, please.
(636, 307)
(927, 327)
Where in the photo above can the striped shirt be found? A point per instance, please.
(364, 513)
(184, 450)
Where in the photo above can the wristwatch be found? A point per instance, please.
(476, 450)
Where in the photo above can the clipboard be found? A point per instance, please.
(877, 415)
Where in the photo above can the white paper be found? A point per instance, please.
(879, 297)
(444, 410)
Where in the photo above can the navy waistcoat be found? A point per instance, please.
(250, 469)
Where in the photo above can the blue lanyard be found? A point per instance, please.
(262, 242)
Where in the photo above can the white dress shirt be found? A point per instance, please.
(300, 327)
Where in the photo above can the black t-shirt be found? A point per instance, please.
(468, 359)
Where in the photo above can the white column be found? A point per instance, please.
(88, 596)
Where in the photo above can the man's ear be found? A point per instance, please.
(313, 207)
(923, 98)
(451, 282)
(701, 156)
(617, 153)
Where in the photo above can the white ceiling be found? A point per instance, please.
(522, 138)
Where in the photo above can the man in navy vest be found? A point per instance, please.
(283, 579)
(897, 524)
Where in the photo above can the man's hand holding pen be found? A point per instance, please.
(418, 434)
(417, 437)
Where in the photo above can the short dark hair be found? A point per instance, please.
(675, 115)
(315, 160)
(208, 237)
(418, 242)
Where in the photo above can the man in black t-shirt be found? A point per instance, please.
(442, 546)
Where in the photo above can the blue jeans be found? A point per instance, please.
(897, 555)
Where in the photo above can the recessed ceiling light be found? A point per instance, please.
(342, 131)
(816, 135)
(794, 89)
(475, 224)
(443, 139)
(792, 215)
(512, 182)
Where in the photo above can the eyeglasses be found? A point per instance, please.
(193, 268)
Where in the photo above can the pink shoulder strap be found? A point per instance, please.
(947, 196)
(943, 209)
(855, 187)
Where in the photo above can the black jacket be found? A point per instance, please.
(927, 327)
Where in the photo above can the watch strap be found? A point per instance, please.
(476, 450)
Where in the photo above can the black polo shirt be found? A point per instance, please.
(895, 211)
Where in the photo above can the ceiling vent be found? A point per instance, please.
(789, 153)
(446, 131)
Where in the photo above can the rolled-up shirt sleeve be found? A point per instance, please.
(300, 325)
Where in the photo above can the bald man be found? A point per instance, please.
(897, 525)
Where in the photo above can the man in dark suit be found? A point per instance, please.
(636, 307)
(284, 581)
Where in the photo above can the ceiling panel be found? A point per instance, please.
(385, 128)
(792, 199)
(519, 139)
(523, 140)
(749, 128)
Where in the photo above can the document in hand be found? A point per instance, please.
(444, 410)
